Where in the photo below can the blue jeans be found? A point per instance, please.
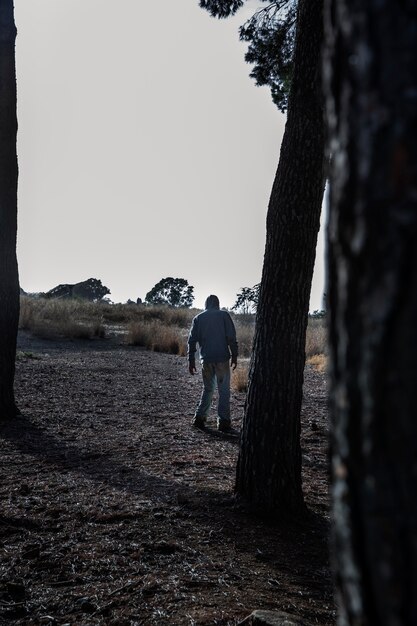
(213, 372)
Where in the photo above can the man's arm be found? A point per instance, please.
(192, 346)
(231, 340)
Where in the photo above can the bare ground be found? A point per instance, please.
(116, 511)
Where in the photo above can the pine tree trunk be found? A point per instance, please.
(371, 60)
(269, 466)
(9, 280)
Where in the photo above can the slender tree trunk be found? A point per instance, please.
(9, 280)
(269, 465)
(371, 84)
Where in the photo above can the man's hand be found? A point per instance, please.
(234, 362)
(191, 367)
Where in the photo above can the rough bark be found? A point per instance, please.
(9, 280)
(269, 465)
(370, 70)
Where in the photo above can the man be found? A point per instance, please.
(215, 333)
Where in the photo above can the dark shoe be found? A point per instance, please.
(224, 426)
(199, 422)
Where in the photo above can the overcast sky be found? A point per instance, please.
(145, 150)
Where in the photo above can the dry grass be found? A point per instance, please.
(316, 349)
(157, 337)
(158, 328)
(52, 319)
(122, 314)
(245, 330)
(319, 362)
(316, 339)
(240, 376)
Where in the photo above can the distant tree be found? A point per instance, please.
(174, 292)
(247, 300)
(370, 63)
(270, 33)
(91, 289)
(9, 278)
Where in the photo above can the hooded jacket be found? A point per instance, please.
(215, 333)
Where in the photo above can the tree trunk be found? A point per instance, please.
(9, 280)
(269, 465)
(370, 70)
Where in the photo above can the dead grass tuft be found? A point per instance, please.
(157, 337)
(319, 362)
(240, 377)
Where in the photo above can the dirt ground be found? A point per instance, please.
(116, 511)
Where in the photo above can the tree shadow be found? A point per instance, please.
(284, 545)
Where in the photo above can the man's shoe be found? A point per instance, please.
(224, 426)
(199, 422)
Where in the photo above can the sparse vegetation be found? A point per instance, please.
(318, 361)
(157, 337)
(240, 376)
(50, 319)
(33, 310)
(158, 328)
(316, 348)
(245, 330)
(316, 338)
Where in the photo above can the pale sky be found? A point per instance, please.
(145, 150)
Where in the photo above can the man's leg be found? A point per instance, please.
(223, 384)
(209, 382)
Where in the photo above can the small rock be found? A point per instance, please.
(85, 605)
(272, 618)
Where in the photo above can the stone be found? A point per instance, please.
(272, 618)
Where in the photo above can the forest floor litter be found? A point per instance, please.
(115, 510)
